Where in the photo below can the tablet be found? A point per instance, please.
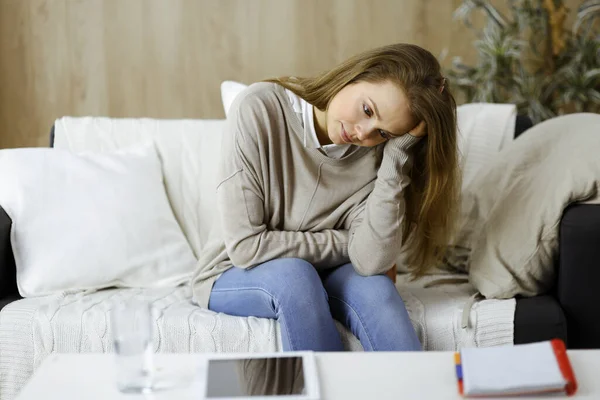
(289, 375)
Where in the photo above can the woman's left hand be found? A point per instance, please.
(391, 273)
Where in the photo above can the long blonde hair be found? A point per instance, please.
(433, 195)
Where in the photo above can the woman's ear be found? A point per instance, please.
(419, 130)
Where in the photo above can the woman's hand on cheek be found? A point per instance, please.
(391, 273)
(419, 130)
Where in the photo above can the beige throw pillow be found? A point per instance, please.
(512, 209)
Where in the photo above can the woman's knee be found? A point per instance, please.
(378, 291)
(297, 280)
(348, 285)
(381, 288)
(291, 266)
(288, 283)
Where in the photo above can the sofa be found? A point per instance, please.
(33, 327)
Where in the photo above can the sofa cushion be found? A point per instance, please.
(512, 208)
(90, 221)
(188, 149)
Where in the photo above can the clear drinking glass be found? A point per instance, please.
(132, 324)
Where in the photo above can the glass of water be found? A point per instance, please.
(131, 323)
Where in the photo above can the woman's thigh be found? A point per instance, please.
(288, 290)
(262, 291)
(371, 307)
(345, 284)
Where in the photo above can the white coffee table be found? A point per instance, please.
(343, 376)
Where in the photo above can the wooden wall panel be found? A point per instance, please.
(167, 58)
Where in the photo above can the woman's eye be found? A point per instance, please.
(367, 110)
(383, 134)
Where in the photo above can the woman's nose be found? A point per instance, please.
(363, 132)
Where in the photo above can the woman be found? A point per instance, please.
(324, 182)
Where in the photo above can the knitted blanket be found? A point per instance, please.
(33, 328)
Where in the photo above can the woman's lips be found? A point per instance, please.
(344, 136)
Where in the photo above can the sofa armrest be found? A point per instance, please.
(539, 318)
(8, 270)
(579, 275)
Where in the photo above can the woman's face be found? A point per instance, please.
(367, 114)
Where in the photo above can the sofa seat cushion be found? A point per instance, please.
(33, 328)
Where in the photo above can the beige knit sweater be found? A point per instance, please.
(278, 199)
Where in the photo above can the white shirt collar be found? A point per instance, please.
(311, 140)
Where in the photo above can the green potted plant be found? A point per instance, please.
(530, 59)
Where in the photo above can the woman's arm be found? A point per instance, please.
(240, 200)
(249, 242)
(376, 231)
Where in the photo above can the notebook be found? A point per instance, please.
(525, 369)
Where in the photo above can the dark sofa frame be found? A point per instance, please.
(567, 312)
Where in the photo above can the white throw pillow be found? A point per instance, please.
(91, 220)
(229, 91)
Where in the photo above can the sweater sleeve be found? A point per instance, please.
(376, 229)
(241, 201)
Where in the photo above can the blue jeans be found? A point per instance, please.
(305, 304)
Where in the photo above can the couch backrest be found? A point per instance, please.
(189, 151)
(188, 147)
